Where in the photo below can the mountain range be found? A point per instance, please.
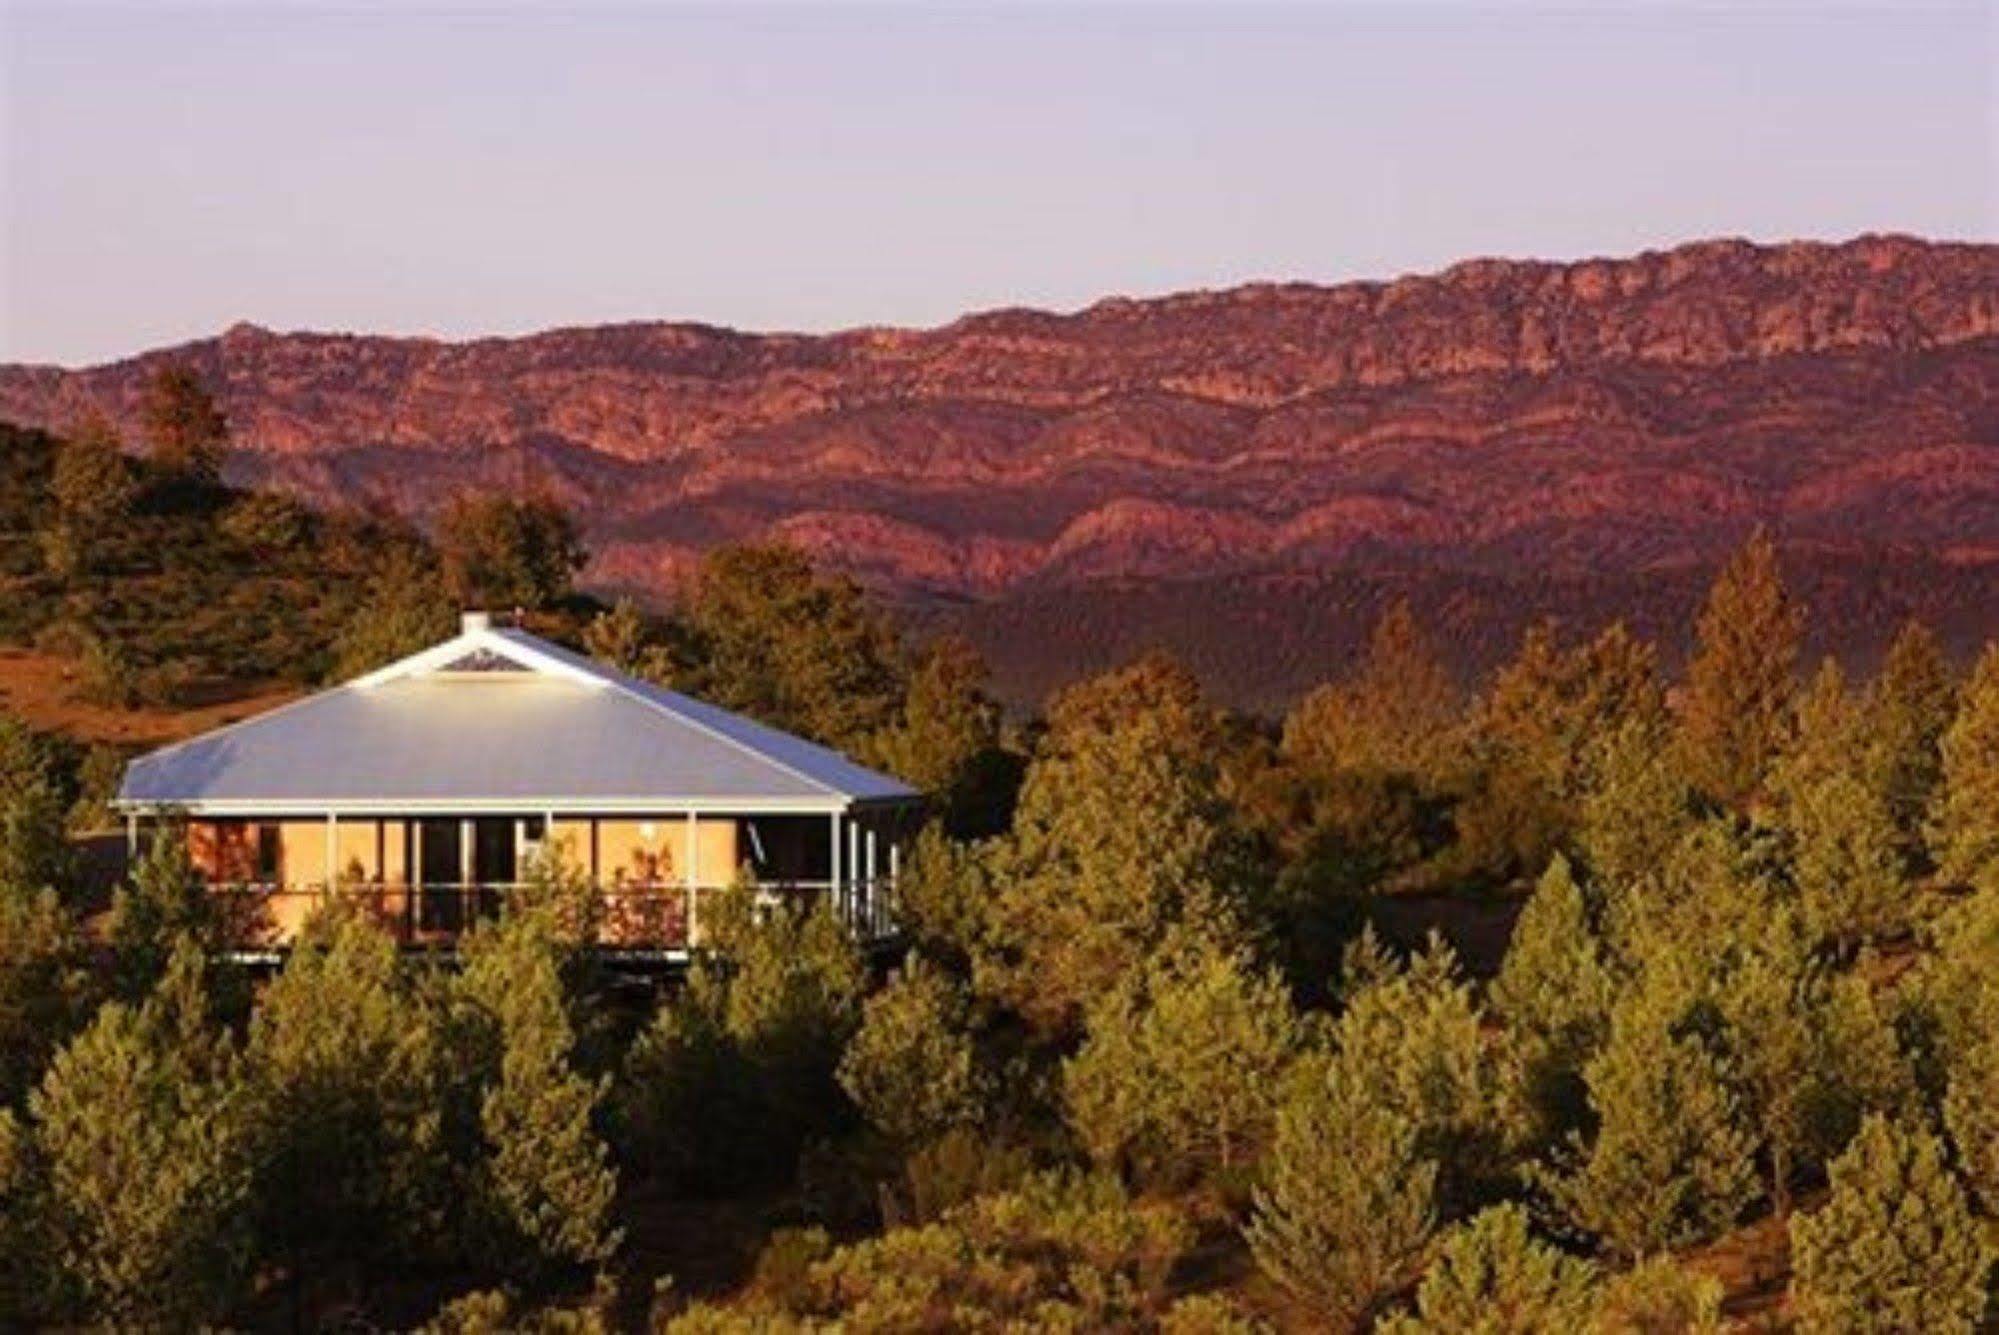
(1245, 476)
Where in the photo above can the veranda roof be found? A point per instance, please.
(498, 718)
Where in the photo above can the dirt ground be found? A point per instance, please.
(42, 689)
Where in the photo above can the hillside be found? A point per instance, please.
(1521, 436)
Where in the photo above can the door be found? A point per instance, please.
(494, 864)
(441, 900)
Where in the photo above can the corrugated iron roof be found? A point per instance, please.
(567, 733)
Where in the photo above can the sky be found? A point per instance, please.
(444, 169)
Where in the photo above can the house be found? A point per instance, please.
(426, 788)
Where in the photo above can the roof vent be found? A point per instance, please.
(470, 623)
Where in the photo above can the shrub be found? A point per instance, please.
(1348, 1203)
(912, 1068)
(1894, 1247)
(1177, 1078)
(1669, 1163)
(1658, 1297)
(1494, 1278)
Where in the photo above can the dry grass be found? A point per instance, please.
(43, 690)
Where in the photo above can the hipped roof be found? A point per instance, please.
(496, 717)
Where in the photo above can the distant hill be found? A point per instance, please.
(1242, 474)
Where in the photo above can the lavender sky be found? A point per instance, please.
(166, 171)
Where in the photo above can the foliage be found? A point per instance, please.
(1908, 707)
(505, 551)
(1894, 1247)
(1634, 806)
(912, 1067)
(1555, 991)
(1062, 1252)
(733, 1074)
(945, 740)
(343, 1071)
(1738, 710)
(547, 1183)
(1658, 1297)
(44, 985)
(163, 903)
(139, 1132)
(1347, 1206)
(1971, 1107)
(1493, 1277)
(1832, 797)
(185, 429)
(1122, 834)
(761, 632)
(1177, 1078)
(1398, 712)
(1669, 1163)
(1412, 1040)
(1964, 822)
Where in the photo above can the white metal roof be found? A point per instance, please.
(498, 717)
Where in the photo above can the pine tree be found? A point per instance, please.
(1657, 1297)
(405, 607)
(1832, 798)
(1971, 1108)
(91, 491)
(1493, 1277)
(620, 637)
(163, 903)
(509, 551)
(1909, 706)
(1176, 1078)
(1740, 682)
(1414, 1042)
(945, 734)
(1122, 833)
(1555, 991)
(1895, 1246)
(547, 1183)
(1634, 806)
(1964, 819)
(1347, 1206)
(187, 432)
(1398, 713)
(912, 1067)
(34, 847)
(1669, 1163)
(342, 1062)
(45, 985)
(139, 1129)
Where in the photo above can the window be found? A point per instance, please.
(267, 853)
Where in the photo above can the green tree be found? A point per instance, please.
(163, 903)
(1493, 1277)
(1555, 992)
(185, 429)
(547, 1183)
(342, 1064)
(1740, 682)
(45, 985)
(502, 551)
(1347, 1206)
(91, 492)
(1412, 1039)
(1634, 806)
(1122, 833)
(1399, 712)
(761, 632)
(1909, 705)
(139, 1131)
(1655, 1297)
(912, 1067)
(1964, 821)
(34, 846)
(1831, 796)
(1177, 1077)
(620, 637)
(945, 739)
(733, 1074)
(1971, 1109)
(1669, 1163)
(1895, 1246)
(404, 607)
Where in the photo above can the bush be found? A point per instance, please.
(1494, 1278)
(1348, 1204)
(912, 1068)
(1178, 1077)
(1894, 1247)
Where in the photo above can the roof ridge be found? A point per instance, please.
(642, 691)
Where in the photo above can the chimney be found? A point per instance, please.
(472, 622)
